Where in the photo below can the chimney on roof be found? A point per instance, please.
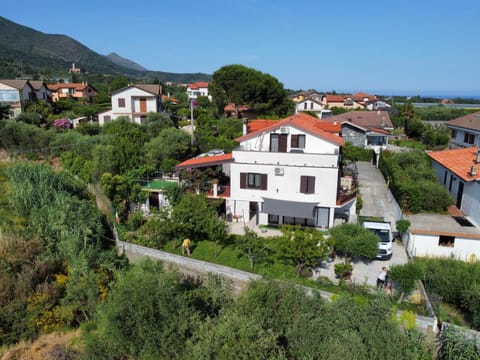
(245, 127)
(473, 170)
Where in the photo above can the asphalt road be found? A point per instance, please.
(377, 200)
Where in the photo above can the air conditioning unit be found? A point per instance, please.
(284, 130)
(279, 171)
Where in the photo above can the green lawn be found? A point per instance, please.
(228, 255)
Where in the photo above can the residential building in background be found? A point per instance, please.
(79, 91)
(465, 131)
(199, 88)
(134, 101)
(16, 94)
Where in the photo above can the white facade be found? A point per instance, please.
(310, 105)
(434, 235)
(15, 97)
(195, 91)
(427, 245)
(132, 102)
(298, 185)
(462, 137)
(466, 199)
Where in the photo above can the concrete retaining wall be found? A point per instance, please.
(201, 269)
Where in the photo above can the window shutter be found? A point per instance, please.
(243, 180)
(263, 181)
(311, 185)
(303, 184)
(282, 143)
(294, 141)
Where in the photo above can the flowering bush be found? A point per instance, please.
(61, 124)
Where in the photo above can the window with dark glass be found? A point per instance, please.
(253, 181)
(307, 184)
(297, 141)
(121, 102)
(278, 142)
(445, 240)
(469, 138)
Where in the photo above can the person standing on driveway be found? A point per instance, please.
(381, 278)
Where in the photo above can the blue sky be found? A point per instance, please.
(424, 47)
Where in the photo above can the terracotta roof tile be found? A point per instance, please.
(470, 121)
(301, 121)
(76, 86)
(198, 84)
(458, 161)
(336, 98)
(255, 125)
(204, 161)
(231, 107)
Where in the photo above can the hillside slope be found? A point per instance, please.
(25, 52)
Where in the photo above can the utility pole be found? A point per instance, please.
(191, 121)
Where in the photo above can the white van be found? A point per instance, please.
(383, 230)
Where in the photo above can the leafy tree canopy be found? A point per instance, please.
(240, 85)
(354, 240)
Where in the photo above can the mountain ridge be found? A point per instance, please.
(119, 60)
(26, 51)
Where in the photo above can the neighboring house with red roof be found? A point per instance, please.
(286, 172)
(134, 101)
(196, 89)
(345, 101)
(465, 130)
(244, 111)
(80, 91)
(459, 171)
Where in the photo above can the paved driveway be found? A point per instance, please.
(377, 201)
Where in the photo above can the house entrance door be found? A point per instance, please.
(143, 105)
(253, 209)
(459, 195)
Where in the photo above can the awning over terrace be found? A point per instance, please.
(204, 161)
(289, 208)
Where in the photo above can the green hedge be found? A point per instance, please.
(413, 182)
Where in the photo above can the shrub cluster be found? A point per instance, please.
(413, 182)
(457, 283)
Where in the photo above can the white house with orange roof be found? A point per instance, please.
(134, 101)
(459, 171)
(286, 172)
(196, 89)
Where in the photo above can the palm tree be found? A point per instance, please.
(408, 112)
